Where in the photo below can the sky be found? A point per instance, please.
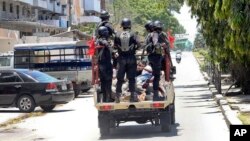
(185, 20)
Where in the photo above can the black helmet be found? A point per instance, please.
(103, 31)
(158, 25)
(126, 23)
(149, 25)
(104, 15)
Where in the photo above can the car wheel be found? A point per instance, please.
(48, 108)
(165, 121)
(26, 104)
(85, 90)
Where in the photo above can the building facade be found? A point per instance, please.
(20, 18)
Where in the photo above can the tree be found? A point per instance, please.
(140, 11)
(225, 27)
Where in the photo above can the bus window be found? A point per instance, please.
(52, 56)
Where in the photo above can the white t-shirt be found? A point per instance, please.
(145, 70)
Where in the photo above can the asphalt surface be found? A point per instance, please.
(198, 118)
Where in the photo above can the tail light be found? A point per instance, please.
(106, 108)
(158, 105)
(51, 87)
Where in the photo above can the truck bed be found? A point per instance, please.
(147, 104)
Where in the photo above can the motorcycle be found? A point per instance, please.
(178, 58)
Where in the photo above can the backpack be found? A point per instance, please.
(125, 39)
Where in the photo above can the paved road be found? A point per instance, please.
(197, 117)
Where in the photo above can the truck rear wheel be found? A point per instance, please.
(104, 124)
(165, 121)
(172, 110)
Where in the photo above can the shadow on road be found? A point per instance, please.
(59, 111)
(140, 132)
(10, 111)
(204, 89)
(192, 86)
(195, 97)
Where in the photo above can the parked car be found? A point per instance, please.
(27, 89)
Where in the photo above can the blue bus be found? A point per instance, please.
(64, 60)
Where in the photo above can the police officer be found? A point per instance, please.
(149, 26)
(103, 56)
(104, 15)
(158, 41)
(126, 42)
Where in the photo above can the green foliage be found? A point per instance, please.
(140, 11)
(199, 41)
(86, 28)
(225, 27)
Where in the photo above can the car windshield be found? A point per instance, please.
(39, 76)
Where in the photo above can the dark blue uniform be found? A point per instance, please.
(105, 67)
(126, 43)
(155, 57)
(108, 25)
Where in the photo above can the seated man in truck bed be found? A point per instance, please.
(144, 87)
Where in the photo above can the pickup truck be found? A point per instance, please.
(159, 113)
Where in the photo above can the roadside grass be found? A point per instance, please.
(200, 58)
(20, 119)
(245, 118)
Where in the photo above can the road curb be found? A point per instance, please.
(231, 116)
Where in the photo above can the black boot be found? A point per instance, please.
(117, 98)
(108, 99)
(133, 97)
(156, 95)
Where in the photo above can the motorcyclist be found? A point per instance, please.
(103, 57)
(178, 57)
(159, 42)
(126, 42)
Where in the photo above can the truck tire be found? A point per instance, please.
(48, 108)
(165, 121)
(172, 110)
(104, 124)
(77, 89)
(85, 90)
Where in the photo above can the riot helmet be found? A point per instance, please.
(103, 31)
(158, 25)
(126, 23)
(104, 15)
(149, 26)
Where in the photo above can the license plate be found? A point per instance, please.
(64, 87)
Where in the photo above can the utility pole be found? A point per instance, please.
(70, 12)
